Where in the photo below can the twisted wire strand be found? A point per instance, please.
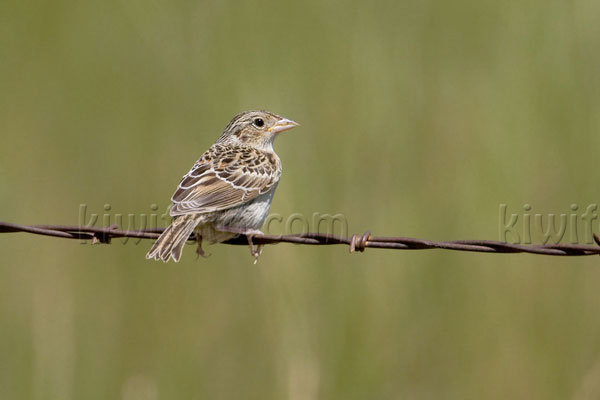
(356, 243)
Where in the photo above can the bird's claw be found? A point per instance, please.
(250, 233)
(199, 250)
(255, 252)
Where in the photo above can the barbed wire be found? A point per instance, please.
(355, 242)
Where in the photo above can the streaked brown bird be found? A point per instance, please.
(229, 190)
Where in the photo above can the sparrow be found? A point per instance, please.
(229, 190)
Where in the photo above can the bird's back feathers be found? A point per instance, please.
(225, 177)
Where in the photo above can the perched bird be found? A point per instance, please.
(229, 189)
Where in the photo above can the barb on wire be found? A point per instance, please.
(355, 243)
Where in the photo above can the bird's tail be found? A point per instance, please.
(170, 242)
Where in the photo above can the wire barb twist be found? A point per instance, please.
(360, 243)
(356, 243)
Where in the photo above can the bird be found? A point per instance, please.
(228, 191)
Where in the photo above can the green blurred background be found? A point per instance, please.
(419, 118)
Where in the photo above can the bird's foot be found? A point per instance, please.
(238, 230)
(199, 251)
(255, 251)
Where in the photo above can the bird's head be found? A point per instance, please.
(257, 129)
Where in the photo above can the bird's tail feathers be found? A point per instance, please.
(170, 242)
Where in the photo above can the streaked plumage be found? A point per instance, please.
(226, 176)
(229, 189)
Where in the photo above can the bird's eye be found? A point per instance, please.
(259, 122)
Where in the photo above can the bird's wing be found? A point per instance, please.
(225, 177)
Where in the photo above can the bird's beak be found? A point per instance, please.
(283, 124)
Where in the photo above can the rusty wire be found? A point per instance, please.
(355, 242)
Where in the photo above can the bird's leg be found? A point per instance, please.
(199, 251)
(255, 252)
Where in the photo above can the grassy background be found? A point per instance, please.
(418, 119)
